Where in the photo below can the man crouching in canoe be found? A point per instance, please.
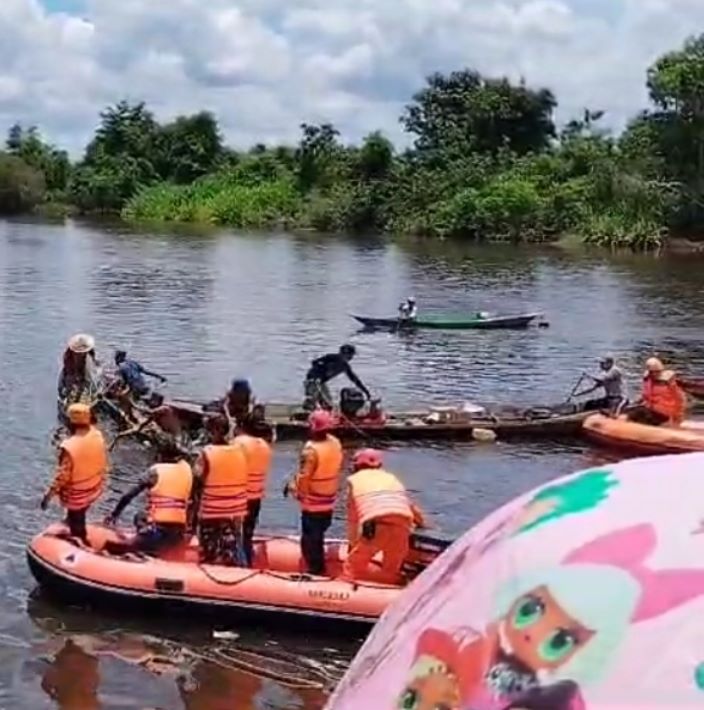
(168, 485)
(323, 370)
(611, 381)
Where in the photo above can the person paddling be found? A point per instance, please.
(612, 382)
(322, 371)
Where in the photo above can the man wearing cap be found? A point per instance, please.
(662, 400)
(611, 380)
(380, 518)
(323, 370)
(81, 471)
(315, 487)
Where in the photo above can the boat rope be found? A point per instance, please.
(292, 577)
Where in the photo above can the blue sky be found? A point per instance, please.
(264, 66)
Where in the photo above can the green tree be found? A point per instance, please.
(467, 112)
(22, 187)
(317, 153)
(189, 147)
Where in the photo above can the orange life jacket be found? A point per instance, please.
(89, 464)
(225, 491)
(257, 452)
(168, 499)
(375, 494)
(317, 492)
(664, 396)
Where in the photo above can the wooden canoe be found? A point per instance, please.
(468, 322)
(290, 422)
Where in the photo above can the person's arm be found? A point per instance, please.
(62, 476)
(356, 381)
(149, 481)
(419, 519)
(149, 373)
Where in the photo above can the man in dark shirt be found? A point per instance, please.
(324, 369)
(132, 373)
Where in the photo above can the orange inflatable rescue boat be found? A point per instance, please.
(274, 589)
(643, 438)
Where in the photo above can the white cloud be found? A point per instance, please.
(266, 65)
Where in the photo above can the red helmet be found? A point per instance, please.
(321, 421)
(367, 458)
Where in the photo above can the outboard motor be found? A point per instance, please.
(352, 402)
(425, 546)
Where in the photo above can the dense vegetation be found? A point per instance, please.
(486, 162)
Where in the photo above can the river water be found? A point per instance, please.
(204, 308)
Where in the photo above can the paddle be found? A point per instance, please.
(576, 387)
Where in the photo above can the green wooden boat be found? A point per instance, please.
(469, 322)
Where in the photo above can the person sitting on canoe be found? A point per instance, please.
(81, 471)
(408, 310)
(611, 380)
(324, 369)
(254, 441)
(163, 422)
(168, 485)
(380, 518)
(78, 380)
(662, 400)
(315, 487)
(133, 373)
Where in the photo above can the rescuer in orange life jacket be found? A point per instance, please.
(168, 485)
(222, 473)
(315, 487)
(662, 399)
(380, 519)
(81, 471)
(253, 439)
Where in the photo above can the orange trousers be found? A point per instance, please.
(391, 539)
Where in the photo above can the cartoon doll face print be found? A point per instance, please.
(540, 634)
(435, 690)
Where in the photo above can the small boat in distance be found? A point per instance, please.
(475, 321)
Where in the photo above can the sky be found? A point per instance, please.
(265, 66)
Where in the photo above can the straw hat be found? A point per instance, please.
(81, 343)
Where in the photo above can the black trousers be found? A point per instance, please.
(248, 528)
(313, 529)
(76, 521)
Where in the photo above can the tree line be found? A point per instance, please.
(486, 162)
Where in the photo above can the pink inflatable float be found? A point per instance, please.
(586, 593)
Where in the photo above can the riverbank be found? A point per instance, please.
(484, 161)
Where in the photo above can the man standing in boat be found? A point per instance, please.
(315, 487)
(168, 485)
(222, 473)
(83, 465)
(612, 381)
(380, 518)
(323, 370)
(253, 439)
